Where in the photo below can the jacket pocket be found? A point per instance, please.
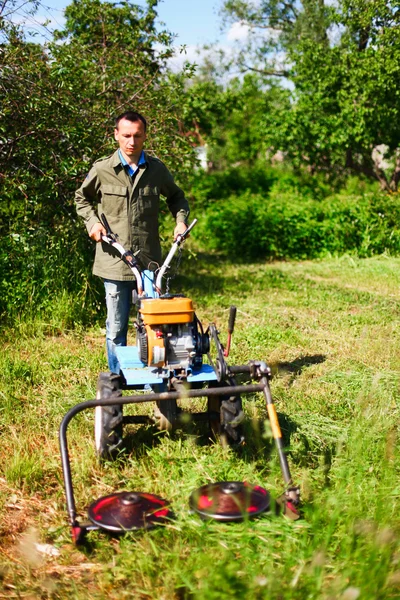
(114, 199)
(149, 190)
(147, 204)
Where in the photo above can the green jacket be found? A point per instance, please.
(132, 210)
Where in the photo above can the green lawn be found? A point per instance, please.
(330, 332)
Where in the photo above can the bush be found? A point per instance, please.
(290, 225)
(245, 213)
(39, 273)
(206, 188)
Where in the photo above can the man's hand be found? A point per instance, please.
(179, 229)
(97, 231)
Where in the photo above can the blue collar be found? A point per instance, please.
(131, 171)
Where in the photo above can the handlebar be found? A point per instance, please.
(106, 226)
(180, 238)
(129, 258)
(126, 255)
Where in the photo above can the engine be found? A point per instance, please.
(168, 334)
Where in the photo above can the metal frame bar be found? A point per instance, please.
(263, 386)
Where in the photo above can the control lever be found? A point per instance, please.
(231, 327)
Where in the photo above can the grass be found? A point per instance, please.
(329, 330)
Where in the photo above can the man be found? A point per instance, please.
(126, 187)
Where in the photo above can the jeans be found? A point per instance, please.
(118, 302)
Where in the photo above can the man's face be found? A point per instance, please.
(130, 137)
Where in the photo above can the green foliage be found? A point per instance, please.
(241, 138)
(345, 103)
(299, 222)
(343, 63)
(230, 119)
(206, 188)
(57, 105)
(39, 273)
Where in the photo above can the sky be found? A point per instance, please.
(195, 22)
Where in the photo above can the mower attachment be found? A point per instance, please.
(126, 511)
(229, 500)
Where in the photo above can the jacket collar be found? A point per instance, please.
(116, 161)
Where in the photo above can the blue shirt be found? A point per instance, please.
(130, 170)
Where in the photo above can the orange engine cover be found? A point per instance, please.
(156, 348)
(166, 311)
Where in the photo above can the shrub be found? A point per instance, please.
(290, 225)
(39, 271)
(206, 188)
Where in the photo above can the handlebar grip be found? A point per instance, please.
(232, 318)
(192, 224)
(106, 224)
(184, 235)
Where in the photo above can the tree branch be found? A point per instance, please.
(272, 73)
(395, 178)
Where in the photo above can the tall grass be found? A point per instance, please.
(329, 331)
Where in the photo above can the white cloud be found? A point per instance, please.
(238, 31)
(184, 54)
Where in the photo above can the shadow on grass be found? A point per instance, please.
(299, 449)
(141, 438)
(302, 451)
(297, 365)
(201, 284)
(210, 274)
(138, 439)
(258, 446)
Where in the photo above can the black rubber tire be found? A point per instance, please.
(214, 406)
(165, 414)
(108, 427)
(227, 425)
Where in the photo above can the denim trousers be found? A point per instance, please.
(118, 303)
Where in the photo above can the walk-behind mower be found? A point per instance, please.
(167, 365)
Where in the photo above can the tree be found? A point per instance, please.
(228, 118)
(57, 103)
(343, 61)
(274, 27)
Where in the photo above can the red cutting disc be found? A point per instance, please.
(127, 511)
(229, 500)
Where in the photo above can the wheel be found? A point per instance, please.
(214, 421)
(227, 424)
(165, 414)
(108, 419)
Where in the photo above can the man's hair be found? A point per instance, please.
(132, 116)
